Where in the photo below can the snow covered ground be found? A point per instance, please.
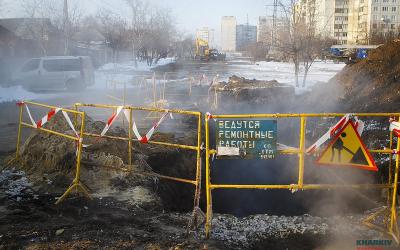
(125, 72)
(283, 72)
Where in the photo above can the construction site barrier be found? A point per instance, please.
(196, 148)
(389, 212)
(78, 138)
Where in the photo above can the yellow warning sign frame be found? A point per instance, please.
(390, 225)
(372, 165)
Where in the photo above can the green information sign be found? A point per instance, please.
(248, 139)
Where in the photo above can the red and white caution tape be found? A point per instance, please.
(146, 138)
(209, 116)
(27, 111)
(394, 127)
(110, 120)
(333, 130)
(47, 117)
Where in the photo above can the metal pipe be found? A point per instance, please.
(208, 183)
(19, 131)
(130, 138)
(52, 107)
(149, 142)
(301, 153)
(50, 131)
(393, 217)
(301, 115)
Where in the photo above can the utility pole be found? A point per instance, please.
(273, 33)
(66, 27)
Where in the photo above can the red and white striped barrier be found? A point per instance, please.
(110, 120)
(48, 116)
(142, 139)
(333, 130)
(146, 138)
(394, 127)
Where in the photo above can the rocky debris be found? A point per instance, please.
(372, 84)
(254, 91)
(258, 231)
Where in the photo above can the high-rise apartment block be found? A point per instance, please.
(353, 21)
(228, 33)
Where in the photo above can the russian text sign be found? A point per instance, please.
(255, 139)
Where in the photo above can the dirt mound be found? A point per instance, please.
(373, 83)
(49, 162)
(240, 89)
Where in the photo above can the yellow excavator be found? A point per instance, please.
(204, 53)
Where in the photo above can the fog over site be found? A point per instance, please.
(229, 124)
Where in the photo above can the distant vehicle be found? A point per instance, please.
(350, 53)
(56, 73)
(204, 53)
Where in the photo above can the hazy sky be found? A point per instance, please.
(189, 14)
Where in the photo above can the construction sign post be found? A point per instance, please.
(248, 138)
(347, 149)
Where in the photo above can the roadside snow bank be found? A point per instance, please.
(130, 66)
(13, 93)
(284, 72)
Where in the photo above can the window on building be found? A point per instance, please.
(394, 8)
(339, 10)
(374, 26)
(385, 1)
(392, 26)
(393, 18)
(376, 8)
(346, 18)
(393, 1)
(385, 8)
(345, 34)
(375, 17)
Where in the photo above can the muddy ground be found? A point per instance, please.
(115, 218)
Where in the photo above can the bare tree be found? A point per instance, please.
(49, 18)
(300, 41)
(139, 22)
(115, 31)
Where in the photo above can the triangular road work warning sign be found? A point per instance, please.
(347, 149)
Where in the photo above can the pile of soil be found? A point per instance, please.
(372, 84)
(241, 89)
(49, 162)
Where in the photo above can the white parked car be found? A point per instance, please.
(56, 73)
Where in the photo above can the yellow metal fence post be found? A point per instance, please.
(393, 216)
(208, 183)
(390, 168)
(130, 138)
(301, 153)
(198, 164)
(19, 131)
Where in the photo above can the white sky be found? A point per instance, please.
(189, 14)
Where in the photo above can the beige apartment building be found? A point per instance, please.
(353, 21)
(228, 33)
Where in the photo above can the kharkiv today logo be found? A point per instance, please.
(373, 244)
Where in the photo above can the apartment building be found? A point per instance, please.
(245, 35)
(353, 21)
(228, 33)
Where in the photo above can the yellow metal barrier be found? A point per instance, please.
(390, 211)
(197, 148)
(76, 183)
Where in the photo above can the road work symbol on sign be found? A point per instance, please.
(347, 149)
